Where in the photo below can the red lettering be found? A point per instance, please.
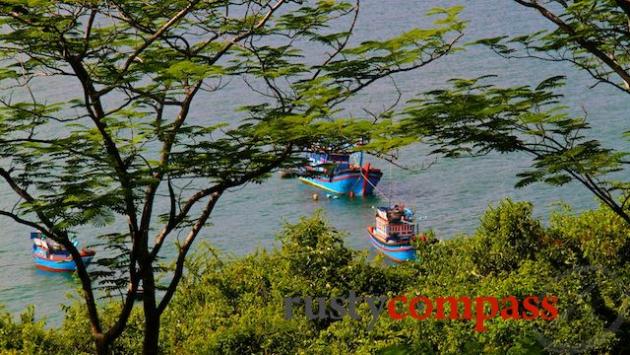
(486, 308)
(549, 305)
(428, 307)
(510, 312)
(531, 307)
(440, 301)
(481, 316)
(391, 307)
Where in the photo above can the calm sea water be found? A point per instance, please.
(452, 194)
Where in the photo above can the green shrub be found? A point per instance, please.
(235, 306)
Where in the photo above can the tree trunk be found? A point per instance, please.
(151, 314)
(151, 333)
(102, 345)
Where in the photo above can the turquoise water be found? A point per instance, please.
(452, 194)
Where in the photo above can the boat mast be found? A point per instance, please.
(361, 159)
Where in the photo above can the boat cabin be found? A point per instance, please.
(318, 160)
(48, 245)
(395, 223)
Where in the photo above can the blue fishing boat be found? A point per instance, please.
(49, 255)
(393, 233)
(333, 172)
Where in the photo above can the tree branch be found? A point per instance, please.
(216, 189)
(625, 6)
(588, 45)
(19, 220)
(62, 238)
(155, 36)
(183, 251)
(246, 34)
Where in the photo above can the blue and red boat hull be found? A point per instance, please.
(55, 263)
(395, 252)
(354, 182)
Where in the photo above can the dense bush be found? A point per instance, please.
(236, 306)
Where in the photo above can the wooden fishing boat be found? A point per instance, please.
(49, 255)
(333, 172)
(393, 233)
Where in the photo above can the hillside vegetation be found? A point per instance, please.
(235, 306)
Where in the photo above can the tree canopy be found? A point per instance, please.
(125, 137)
(591, 34)
(473, 116)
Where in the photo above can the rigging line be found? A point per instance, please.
(377, 189)
(389, 198)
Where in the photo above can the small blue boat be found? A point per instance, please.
(334, 173)
(49, 255)
(394, 233)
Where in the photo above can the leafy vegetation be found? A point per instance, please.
(589, 34)
(235, 306)
(476, 117)
(126, 134)
(473, 117)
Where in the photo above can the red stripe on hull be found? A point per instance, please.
(381, 252)
(352, 174)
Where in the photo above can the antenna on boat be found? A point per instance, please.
(361, 159)
(391, 184)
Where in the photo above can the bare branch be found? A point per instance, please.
(155, 36)
(183, 251)
(590, 46)
(216, 189)
(246, 34)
